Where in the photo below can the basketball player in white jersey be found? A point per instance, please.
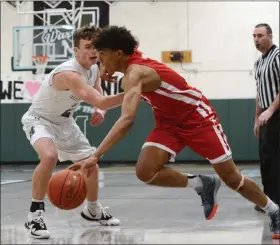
(51, 129)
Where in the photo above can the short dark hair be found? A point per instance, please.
(86, 32)
(268, 28)
(115, 38)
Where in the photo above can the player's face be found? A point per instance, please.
(112, 60)
(262, 39)
(86, 54)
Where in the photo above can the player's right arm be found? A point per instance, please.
(75, 82)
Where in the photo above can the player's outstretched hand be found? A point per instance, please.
(97, 117)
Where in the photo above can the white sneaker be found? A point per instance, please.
(99, 215)
(36, 225)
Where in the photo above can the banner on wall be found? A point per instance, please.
(14, 91)
(18, 91)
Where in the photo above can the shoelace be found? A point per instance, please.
(39, 220)
(105, 214)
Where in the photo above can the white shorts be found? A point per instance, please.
(71, 143)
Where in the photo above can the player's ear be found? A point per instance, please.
(119, 53)
(75, 49)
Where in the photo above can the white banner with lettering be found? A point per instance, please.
(18, 91)
(15, 89)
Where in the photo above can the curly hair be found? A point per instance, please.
(87, 32)
(115, 38)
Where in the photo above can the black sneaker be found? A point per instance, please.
(36, 225)
(275, 224)
(100, 215)
(208, 194)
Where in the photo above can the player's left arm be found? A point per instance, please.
(132, 84)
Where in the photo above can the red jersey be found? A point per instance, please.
(174, 97)
(184, 117)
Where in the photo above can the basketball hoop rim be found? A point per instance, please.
(44, 57)
(40, 59)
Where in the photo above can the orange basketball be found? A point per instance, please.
(67, 189)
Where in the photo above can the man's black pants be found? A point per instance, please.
(269, 152)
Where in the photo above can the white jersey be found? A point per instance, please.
(58, 106)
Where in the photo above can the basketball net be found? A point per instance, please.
(41, 63)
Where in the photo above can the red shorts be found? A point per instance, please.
(201, 131)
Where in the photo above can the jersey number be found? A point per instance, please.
(68, 112)
(32, 131)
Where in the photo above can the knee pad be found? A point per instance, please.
(153, 178)
(241, 183)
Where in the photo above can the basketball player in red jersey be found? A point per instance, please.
(184, 117)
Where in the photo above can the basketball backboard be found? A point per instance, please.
(54, 41)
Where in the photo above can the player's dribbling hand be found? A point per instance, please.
(85, 166)
(75, 166)
(89, 165)
(97, 117)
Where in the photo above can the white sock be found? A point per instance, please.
(92, 205)
(35, 200)
(270, 207)
(194, 181)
